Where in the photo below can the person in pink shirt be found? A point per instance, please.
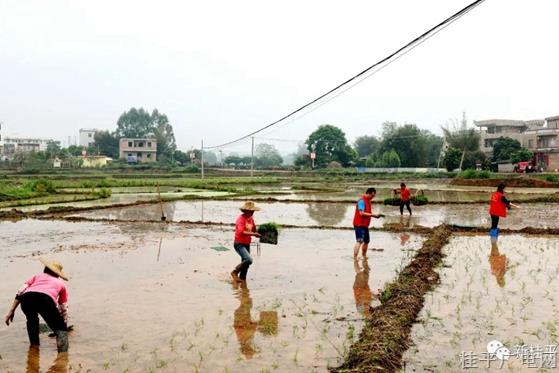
(245, 228)
(44, 294)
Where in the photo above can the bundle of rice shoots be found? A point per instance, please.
(392, 201)
(269, 233)
(420, 200)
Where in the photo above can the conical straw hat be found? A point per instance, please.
(249, 206)
(55, 267)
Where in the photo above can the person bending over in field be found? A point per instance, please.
(44, 294)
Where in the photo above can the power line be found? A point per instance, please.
(368, 75)
(409, 45)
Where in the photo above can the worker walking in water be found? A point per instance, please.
(362, 220)
(405, 196)
(245, 229)
(44, 294)
(498, 208)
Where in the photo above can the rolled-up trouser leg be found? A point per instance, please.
(246, 260)
(61, 340)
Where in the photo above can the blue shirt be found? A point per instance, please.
(361, 205)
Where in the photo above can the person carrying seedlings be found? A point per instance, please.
(44, 294)
(245, 229)
(498, 208)
(362, 220)
(405, 198)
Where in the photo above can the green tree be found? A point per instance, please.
(366, 145)
(463, 138)
(75, 150)
(164, 134)
(472, 159)
(504, 147)
(210, 158)
(233, 160)
(134, 123)
(53, 150)
(371, 160)
(452, 159)
(414, 146)
(181, 157)
(390, 159)
(138, 123)
(267, 156)
(330, 144)
(521, 155)
(107, 144)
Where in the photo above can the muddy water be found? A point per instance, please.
(506, 292)
(435, 190)
(335, 214)
(151, 297)
(124, 198)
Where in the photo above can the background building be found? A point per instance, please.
(142, 150)
(87, 137)
(26, 144)
(539, 136)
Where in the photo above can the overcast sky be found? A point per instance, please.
(220, 69)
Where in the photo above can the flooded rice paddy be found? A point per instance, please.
(505, 291)
(334, 214)
(156, 297)
(149, 297)
(123, 198)
(436, 190)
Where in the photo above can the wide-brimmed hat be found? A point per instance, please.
(55, 267)
(249, 206)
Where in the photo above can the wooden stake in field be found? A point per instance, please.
(163, 217)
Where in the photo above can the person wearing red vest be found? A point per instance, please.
(405, 196)
(498, 208)
(362, 220)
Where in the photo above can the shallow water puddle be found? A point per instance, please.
(334, 214)
(154, 297)
(505, 293)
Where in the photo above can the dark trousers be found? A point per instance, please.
(246, 260)
(402, 204)
(494, 221)
(35, 304)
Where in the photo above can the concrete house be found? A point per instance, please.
(539, 136)
(138, 150)
(87, 137)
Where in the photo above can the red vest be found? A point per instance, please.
(497, 207)
(362, 221)
(405, 194)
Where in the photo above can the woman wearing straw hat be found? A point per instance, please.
(245, 228)
(44, 294)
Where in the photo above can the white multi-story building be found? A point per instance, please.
(14, 144)
(87, 137)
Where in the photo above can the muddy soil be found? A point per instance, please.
(525, 182)
(505, 292)
(155, 297)
(335, 214)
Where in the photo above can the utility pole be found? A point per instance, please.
(252, 158)
(202, 157)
